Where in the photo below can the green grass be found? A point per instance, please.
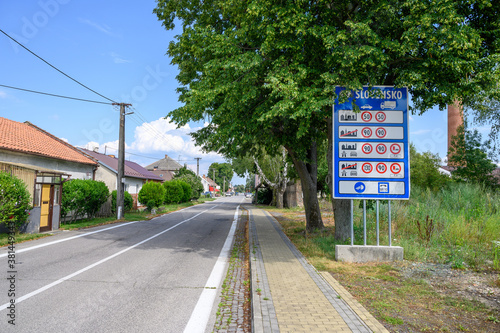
(457, 225)
(19, 238)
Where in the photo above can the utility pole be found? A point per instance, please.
(224, 186)
(120, 186)
(197, 165)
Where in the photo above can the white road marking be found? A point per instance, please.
(201, 313)
(67, 277)
(82, 235)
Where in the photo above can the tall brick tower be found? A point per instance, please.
(455, 119)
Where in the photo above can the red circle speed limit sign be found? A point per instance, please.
(367, 168)
(381, 167)
(366, 116)
(380, 132)
(380, 116)
(395, 148)
(367, 148)
(366, 132)
(395, 168)
(381, 148)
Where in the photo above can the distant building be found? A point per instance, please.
(164, 168)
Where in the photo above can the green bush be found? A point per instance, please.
(15, 201)
(83, 196)
(186, 189)
(152, 191)
(128, 201)
(424, 170)
(194, 181)
(173, 192)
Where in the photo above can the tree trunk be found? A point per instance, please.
(308, 173)
(279, 197)
(341, 207)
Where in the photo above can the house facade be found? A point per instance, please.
(44, 162)
(209, 185)
(134, 175)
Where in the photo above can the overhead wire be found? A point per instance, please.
(45, 61)
(54, 95)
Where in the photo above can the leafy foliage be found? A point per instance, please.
(173, 192)
(186, 191)
(424, 170)
(468, 157)
(15, 201)
(263, 72)
(221, 171)
(128, 201)
(190, 178)
(152, 193)
(83, 197)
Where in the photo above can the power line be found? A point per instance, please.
(54, 95)
(24, 47)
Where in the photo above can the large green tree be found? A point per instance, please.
(264, 71)
(223, 173)
(469, 158)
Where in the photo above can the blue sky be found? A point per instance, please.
(119, 50)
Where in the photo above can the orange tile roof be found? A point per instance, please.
(30, 139)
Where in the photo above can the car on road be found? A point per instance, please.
(248, 195)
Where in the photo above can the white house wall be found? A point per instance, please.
(76, 170)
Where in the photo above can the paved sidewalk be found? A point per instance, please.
(289, 295)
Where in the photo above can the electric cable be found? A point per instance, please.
(24, 47)
(54, 95)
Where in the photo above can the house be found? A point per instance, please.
(164, 168)
(209, 185)
(134, 174)
(44, 162)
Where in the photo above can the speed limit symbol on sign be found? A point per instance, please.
(381, 168)
(366, 116)
(380, 132)
(395, 148)
(367, 148)
(366, 132)
(395, 168)
(367, 167)
(380, 116)
(381, 148)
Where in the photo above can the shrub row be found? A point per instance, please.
(171, 192)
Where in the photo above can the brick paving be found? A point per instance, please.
(289, 295)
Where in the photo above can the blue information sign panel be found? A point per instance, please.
(371, 144)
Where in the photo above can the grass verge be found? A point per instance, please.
(413, 303)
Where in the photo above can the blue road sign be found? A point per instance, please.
(371, 143)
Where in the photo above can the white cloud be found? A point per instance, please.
(117, 59)
(3, 94)
(64, 139)
(157, 138)
(101, 27)
(412, 118)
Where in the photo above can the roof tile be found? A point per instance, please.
(30, 139)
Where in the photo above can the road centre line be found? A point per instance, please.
(67, 277)
(82, 235)
(201, 313)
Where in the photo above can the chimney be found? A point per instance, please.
(455, 119)
(166, 156)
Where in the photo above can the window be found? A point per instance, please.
(38, 195)
(57, 193)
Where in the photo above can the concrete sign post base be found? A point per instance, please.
(368, 253)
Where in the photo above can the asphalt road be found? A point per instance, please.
(145, 276)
